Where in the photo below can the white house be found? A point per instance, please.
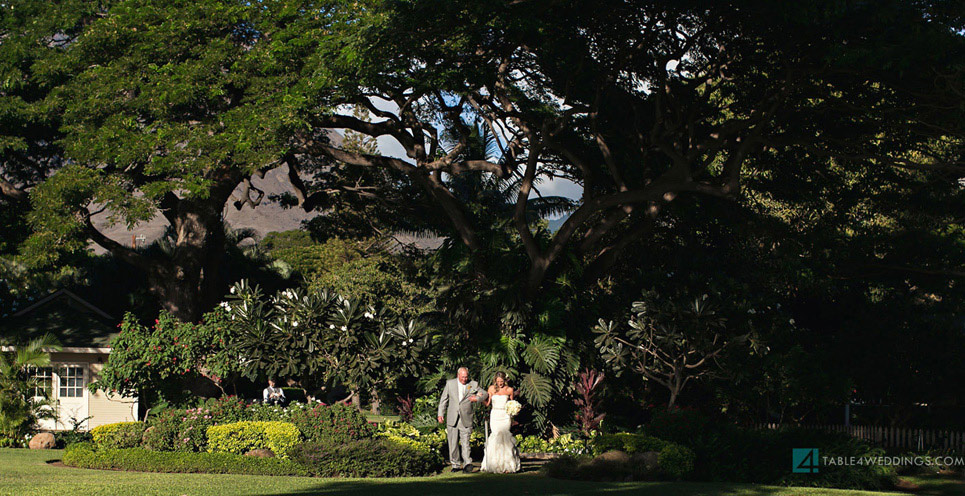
(84, 332)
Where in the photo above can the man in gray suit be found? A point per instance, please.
(455, 408)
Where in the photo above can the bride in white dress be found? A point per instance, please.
(500, 455)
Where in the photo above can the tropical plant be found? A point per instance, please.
(667, 342)
(320, 337)
(23, 399)
(588, 413)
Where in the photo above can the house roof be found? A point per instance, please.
(72, 320)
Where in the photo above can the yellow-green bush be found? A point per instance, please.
(241, 437)
(118, 435)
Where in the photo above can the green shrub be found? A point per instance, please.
(269, 412)
(592, 469)
(730, 453)
(67, 438)
(676, 461)
(241, 437)
(372, 457)
(626, 442)
(192, 431)
(118, 435)
(334, 423)
(161, 431)
(227, 409)
(566, 443)
(83, 455)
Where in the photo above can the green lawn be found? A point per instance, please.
(25, 472)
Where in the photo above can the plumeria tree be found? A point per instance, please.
(673, 342)
(319, 337)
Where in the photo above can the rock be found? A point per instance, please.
(647, 459)
(614, 456)
(44, 440)
(261, 453)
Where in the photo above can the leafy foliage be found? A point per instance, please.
(373, 457)
(318, 336)
(588, 413)
(20, 405)
(83, 455)
(154, 363)
(669, 343)
(241, 437)
(334, 423)
(118, 435)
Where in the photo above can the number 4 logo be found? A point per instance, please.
(804, 460)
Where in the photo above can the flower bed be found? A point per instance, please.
(212, 438)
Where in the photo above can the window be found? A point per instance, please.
(71, 382)
(45, 380)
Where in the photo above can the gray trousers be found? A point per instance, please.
(456, 435)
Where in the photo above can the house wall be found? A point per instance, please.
(102, 408)
(109, 408)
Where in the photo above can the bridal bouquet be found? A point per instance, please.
(513, 407)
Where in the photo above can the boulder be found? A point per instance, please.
(647, 460)
(614, 456)
(261, 453)
(44, 440)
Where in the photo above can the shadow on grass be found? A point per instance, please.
(525, 484)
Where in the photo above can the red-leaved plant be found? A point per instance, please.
(587, 401)
(405, 408)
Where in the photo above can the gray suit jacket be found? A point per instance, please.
(459, 411)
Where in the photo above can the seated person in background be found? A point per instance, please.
(273, 395)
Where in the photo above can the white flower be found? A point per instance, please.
(344, 328)
(225, 305)
(369, 315)
(411, 340)
(232, 290)
(752, 311)
(791, 321)
(294, 323)
(331, 326)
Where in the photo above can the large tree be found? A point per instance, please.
(160, 107)
(171, 105)
(641, 102)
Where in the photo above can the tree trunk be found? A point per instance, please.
(188, 283)
(376, 403)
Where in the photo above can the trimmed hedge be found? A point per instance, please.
(729, 453)
(626, 442)
(674, 461)
(84, 455)
(241, 437)
(373, 457)
(118, 435)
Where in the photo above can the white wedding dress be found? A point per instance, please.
(501, 455)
